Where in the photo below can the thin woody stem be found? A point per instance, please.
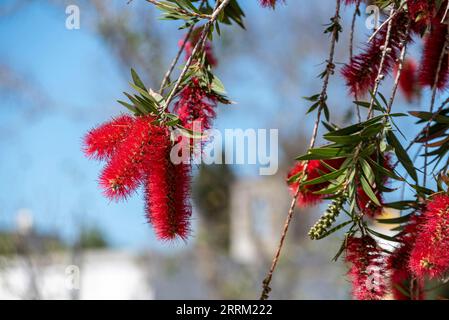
(351, 46)
(391, 17)
(323, 96)
(400, 68)
(199, 45)
(432, 101)
(351, 36)
(175, 61)
(178, 55)
(385, 51)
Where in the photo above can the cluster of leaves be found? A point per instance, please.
(435, 134)
(147, 101)
(359, 148)
(192, 11)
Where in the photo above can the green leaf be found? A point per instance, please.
(398, 220)
(346, 140)
(325, 178)
(400, 205)
(137, 104)
(402, 155)
(382, 236)
(367, 171)
(323, 153)
(130, 107)
(384, 171)
(136, 80)
(369, 191)
(313, 98)
(427, 116)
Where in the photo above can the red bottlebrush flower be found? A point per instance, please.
(268, 3)
(167, 190)
(191, 42)
(433, 47)
(421, 13)
(196, 104)
(122, 175)
(361, 73)
(315, 169)
(408, 82)
(430, 255)
(367, 271)
(400, 275)
(366, 205)
(101, 142)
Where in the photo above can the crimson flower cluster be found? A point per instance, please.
(191, 41)
(137, 153)
(269, 3)
(308, 195)
(367, 268)
(361, 72)
(430, 254)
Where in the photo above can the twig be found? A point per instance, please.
(391, 17)
(351, 36)
(175, 61)
(180, 10)
(178, 55)
(323, 96)
(400, 68)
(351, 47)
(385, 50)
(445, 13)
(424, 130)
(197, 47)
(432, 101)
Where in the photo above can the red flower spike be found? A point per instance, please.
(167, 191)
(195, 104)
(361, 73)
(421, 13)
(122, 175)
(366, 205)
(434, 45)
(430, 255)
(367, 268)
(100, 143)
(192, 41)
(400, 275)
(315, 169)
(268, 3)
(408, 82)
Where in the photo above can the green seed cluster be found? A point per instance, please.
(322, 225)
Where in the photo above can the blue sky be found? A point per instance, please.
(42, 167)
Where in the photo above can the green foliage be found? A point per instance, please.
(92, 239)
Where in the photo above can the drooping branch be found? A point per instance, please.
(433, 98)
(385, 51)
(322, 98)
(220, 6)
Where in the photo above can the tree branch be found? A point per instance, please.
(329, 71)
